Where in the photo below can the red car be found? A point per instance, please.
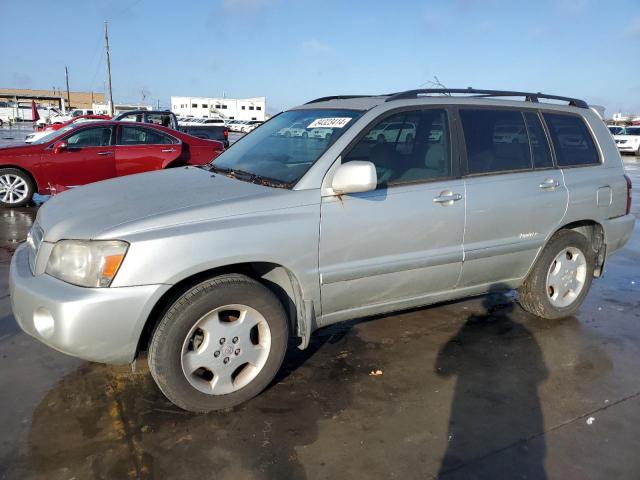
(94, 151)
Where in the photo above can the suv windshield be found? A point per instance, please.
(281, 151)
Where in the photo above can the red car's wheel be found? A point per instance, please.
(16, 188)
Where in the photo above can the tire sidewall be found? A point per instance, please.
(165, 352)
(28, 181)
(554, 247)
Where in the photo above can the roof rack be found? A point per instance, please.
(528, 96)
(338, 97)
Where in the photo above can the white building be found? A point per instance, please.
(231, 108)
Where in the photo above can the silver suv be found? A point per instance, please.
(211, 270)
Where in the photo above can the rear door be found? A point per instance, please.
(89, 157)
(515, 195)
(141, 149)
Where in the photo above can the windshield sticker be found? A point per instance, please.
(331, 122)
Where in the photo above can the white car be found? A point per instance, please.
(393, 132)
(320, 133)
(236, 125)
(616, 129)
(629, 141)
(250, 125)
(76, 112)
(294, 130)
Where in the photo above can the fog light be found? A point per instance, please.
(43, 321)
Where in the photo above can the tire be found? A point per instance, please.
(22, 188)
(539, 295)
(171, 351)
(304, 135)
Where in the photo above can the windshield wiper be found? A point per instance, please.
(251, 177)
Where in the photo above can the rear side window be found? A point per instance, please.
(143, 136)
(407, 147)
(496, 141)
(572, 141)
(538, 139)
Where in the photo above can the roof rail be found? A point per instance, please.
(528, 96)
(337, 97)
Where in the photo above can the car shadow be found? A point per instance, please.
(498, 367)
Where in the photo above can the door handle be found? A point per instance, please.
(549, 184)
(105, 153)
(168, 150)
(447, 198)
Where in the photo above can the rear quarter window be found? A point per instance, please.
(572, 140)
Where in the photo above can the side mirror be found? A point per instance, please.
(354, 177)
(60, 147)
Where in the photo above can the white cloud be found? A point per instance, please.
(315, 45)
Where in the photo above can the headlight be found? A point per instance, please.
(86, 263)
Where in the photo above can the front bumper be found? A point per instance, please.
(96, 324)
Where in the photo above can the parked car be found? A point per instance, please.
(65, 117)
(163, 118)
(89, 152)
(297, 129)
(213, 270)
(211, 132)
(250, 125)
(46, 130)
(236, 125)
(393, 132)
(629, 140)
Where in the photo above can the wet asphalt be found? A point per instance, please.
(471, 389)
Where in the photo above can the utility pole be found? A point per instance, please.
(106, 45)
(66, 76)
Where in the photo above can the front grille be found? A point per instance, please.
(34, 241)
(621, 141)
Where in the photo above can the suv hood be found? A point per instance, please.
(123, 206)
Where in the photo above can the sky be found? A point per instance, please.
(292, 51)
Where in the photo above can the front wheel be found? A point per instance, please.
(219, 344)
(16, 188)
(560, 278)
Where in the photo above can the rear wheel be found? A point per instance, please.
(561, 277)
(16, 188)
(219, 344)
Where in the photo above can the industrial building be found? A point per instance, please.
(41, 97)
(228, 108)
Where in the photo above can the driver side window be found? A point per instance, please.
(407, 147)
(90, 137)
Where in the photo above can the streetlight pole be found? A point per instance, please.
(106, 45)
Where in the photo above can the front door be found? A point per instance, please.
(88, 157)
(394, 247)
(515, 196)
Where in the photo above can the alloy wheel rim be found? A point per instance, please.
(13, 188)
(226, 349)
(566, 277)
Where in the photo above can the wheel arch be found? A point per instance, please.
(27, 172)
(277, 278)
(593, 231)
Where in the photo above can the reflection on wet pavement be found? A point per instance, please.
(471, 389)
